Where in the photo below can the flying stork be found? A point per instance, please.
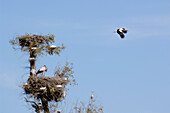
(121, 32)
(41, 70)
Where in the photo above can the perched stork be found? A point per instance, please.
(53, 46)
(58, 111)
(41, 70)
(121, 32)
(92, 95)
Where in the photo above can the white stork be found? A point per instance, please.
(53, 46)
(58, 111)
(121, 32)
(41, 70)
(92, 95)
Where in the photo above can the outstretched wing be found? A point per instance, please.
(39, 71)
(121, 34)
(124, 31)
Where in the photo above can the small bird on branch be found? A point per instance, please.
(92, 95)
(41, 70)
(121, 32)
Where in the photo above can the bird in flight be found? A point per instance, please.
(121, 32)
(41, 70)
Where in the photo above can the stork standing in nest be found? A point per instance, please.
(121, 32)
(41, 70)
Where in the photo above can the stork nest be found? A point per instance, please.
(50, 88)
(34, 40)
(37, 44)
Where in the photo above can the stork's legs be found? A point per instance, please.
(42, 74)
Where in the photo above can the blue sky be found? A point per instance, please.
(128, 76)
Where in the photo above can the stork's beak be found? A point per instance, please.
(114, 31)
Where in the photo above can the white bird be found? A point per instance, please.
(64, 94)
(53, 46)
(92, 95)
(58, 111)
(121, 32)
(41, 70)
(43, 88)
(59, 86)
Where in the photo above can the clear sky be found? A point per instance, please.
(128, 76)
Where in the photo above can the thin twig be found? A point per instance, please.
(30, 101)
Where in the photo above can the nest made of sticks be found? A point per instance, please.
(51, 88)
(34, 40)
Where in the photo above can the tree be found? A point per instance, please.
(42, 89)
